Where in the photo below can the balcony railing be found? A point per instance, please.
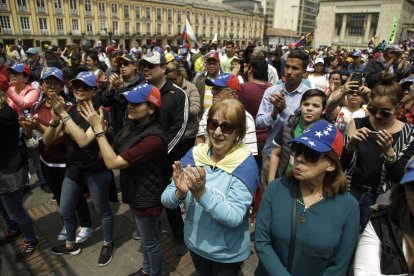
(3, 7)
(60, 32)
(88, 13)
(101, 14)
(116, 33)
(44, 32)
(114, 14)
(7, 31)
(41, 9)
(127, 33)
(74, 12)
(22, 8)
(26, 31)
(102, 32)
(58, 11)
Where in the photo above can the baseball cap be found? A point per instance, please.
(144, 93)
(213, 55)
(98, 44)
(407, 79)
(394, 48)
(87, 78)
(154, 58)
(356, 53)
(52, 72)
(113, 41)
(169, 57)
(51, 49)
(225, 80)
(126, 57)
(408, 172)
(32, 51)
(20, 68)
(321, 137)
(4, 83)
(319, 60)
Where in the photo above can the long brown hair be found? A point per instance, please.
(400, 210)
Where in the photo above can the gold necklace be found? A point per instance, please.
(306, 207)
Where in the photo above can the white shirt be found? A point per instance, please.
(249, 139)
(272, 75)
(368, 253)
(319, 82)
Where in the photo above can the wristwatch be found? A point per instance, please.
(52, 124)
(390, 159)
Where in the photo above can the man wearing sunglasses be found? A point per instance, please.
(128, 78)
(174, 114)
(279, 102)
(226, 86)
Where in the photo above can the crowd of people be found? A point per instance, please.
(313, 145)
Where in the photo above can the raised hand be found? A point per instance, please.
(196, 181)
(180, 179)
(89, 113)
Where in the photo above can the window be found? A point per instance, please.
(5, 22)
(211, 31)
(148, 12)
(179, 28)
(138, 12)
(3, 5)
(25, 23)
(101, 8)
(126, 11)
(148, 28)
(22, 5)
(211, 19)
(42, 24)
(88, 7)
(219, 19)
(179, 16)
(159, 29)
(126, 29)
(170, 30)
(59, 25)
(115, 26)
(102, 26)
(138, 28)
(189, 16)
(114, 9)
(89, 26)
(196, 18)
(57, 4)
(73, 4)
(204, 31)
(196, 30)
(204, 19)
(169, 15)
(41, 5)
(159, 12)
(75, 24)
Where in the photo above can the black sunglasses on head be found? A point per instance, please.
(225, 127)
(309, 154)
(373, 110)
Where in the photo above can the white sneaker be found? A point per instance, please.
(83, 234)
(62, 234)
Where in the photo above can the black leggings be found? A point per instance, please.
(206, 267)
(54, 178)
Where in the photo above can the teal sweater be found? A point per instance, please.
(324, 244)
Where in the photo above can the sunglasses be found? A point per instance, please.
(310, 155)
(352, 92)
(383, 112)
(225, 127)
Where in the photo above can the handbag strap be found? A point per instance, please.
(293, 228)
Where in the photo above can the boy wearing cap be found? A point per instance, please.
(34, 63)
(226, 86)
(128, 78)
(173, 117)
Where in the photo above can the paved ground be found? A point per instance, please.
(126, 261)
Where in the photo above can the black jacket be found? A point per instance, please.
(143, 183)
(388, 231)
(114, 99)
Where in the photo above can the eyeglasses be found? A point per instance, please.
(49, 83)
(383, 112)
(352, 92)
(309, 154)
(225, 127)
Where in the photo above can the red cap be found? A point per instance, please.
(212, 54)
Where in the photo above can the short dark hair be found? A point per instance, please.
(230, 42)
(314, 93)
(259, 68)
(300, 55)
(335, 73)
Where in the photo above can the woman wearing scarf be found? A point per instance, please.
(216, 182)
(140, 152)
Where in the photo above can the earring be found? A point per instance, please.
(330, 169)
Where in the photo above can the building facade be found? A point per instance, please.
(287, 20)
(63, 22)
(355, 23)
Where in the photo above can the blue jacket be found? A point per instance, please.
(217, 226)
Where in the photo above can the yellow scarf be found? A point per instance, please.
(229, 163)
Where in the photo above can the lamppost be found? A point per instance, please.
(293, 17)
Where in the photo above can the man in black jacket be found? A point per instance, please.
(128, 78)
(173, 117)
